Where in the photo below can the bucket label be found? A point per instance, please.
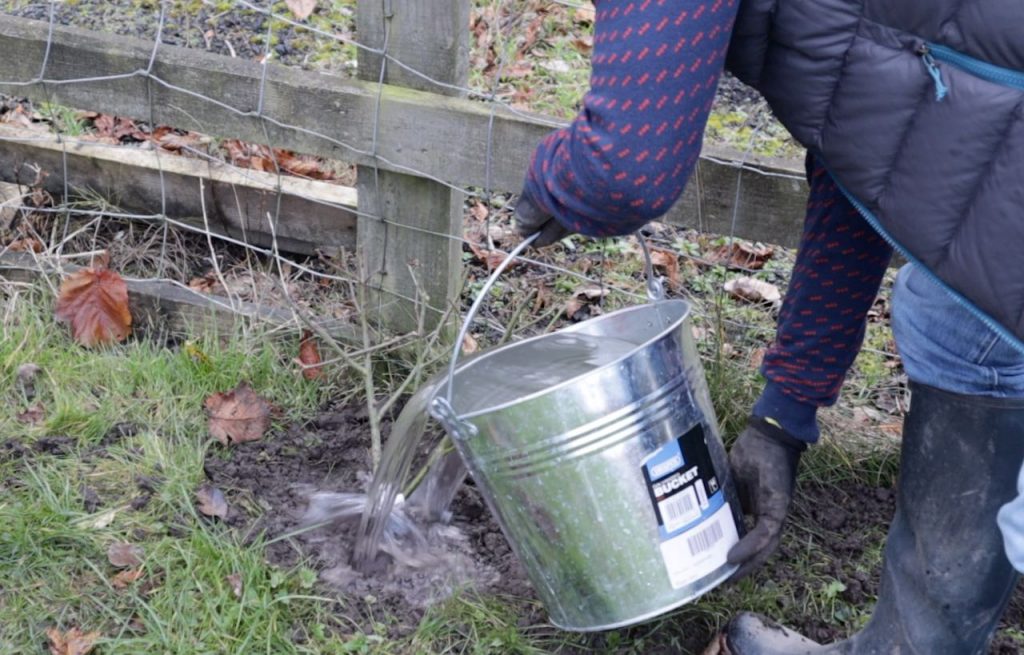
(695, 523)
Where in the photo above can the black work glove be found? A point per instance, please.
(764, 461)
(531, 219)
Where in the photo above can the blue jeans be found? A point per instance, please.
(944, 345)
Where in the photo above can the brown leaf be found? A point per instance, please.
(469, 345)
(235, 580)
(212, 501)
(757, 357)
(591, 292)
(668, 262)
(585, 15)
(28, 244)
(584, 44)
(126, 578)
(479, 211)
(72, 642)
(492, 258)
(205, 284)
(174, 140)
(742, 255)
(756, 291)
(238, 415)
(33, 415)
(309, 357)
(301, 8)
(124, 555)
(573, 306)
(95, 302)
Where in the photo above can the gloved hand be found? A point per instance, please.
(764, 462)
(530, 219)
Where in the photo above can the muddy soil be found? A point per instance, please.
(268, 483)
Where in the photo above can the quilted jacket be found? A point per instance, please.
(917, 108)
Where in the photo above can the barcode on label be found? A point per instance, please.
(706, 538)
(680, 509)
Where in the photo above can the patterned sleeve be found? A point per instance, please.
(626, 157)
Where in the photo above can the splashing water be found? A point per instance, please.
(391, 524)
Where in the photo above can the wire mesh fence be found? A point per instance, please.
(241, 259)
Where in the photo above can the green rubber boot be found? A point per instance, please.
(946, 579)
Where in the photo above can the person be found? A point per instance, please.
(913, 115)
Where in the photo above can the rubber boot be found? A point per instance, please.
(946, 579)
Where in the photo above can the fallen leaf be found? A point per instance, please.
(573, 306)
(28, 244)
(668, 262)
(100, 521)
(235, 580)
(173, 140)
(301, 8)
(238, 415)
(751, 290)
(205, 284)
(33, 415)
(592, 292)
(124, 555)
(742, 255)
(585, 44)
(72, 642)
(757, 357)
(95, 302)
(212, 501)
(126, 578)
(309, 357)
(479, 211)
(585, 14)
(469, 345)
(492, 258)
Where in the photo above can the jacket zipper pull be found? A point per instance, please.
(933, 70)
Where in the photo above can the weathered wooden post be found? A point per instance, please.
(433, 38)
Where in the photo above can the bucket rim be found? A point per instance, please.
(685, 306)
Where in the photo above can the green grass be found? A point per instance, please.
(53, 563)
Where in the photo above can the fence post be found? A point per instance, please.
(433, 38)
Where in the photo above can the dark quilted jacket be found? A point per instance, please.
(917, 107)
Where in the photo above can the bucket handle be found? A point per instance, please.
(441, 407)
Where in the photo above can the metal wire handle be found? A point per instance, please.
(655, 292)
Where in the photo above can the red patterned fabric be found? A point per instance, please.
(628, 154)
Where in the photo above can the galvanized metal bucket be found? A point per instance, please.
(612, 488)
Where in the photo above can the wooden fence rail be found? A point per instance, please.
(414, 146)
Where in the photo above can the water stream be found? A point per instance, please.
(394, 525)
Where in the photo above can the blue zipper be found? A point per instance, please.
(1008, 336)
(932, 53)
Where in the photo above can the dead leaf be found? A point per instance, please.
(212, 501)
(173, 140)
(469, 345)
(126, 578)
(742, 255)
(124, 555)
(588, 294)
(751, 290)
(301, 8)
(585, 15)
(668, 262)
(479, 211)
(72, 642)
(235, 580)
(205, 284)
(33, 415)
(585, 44)
(95, 302)
(309, 357)
(757, 357)
(28, 244)
(492, 258)
(238, 415)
